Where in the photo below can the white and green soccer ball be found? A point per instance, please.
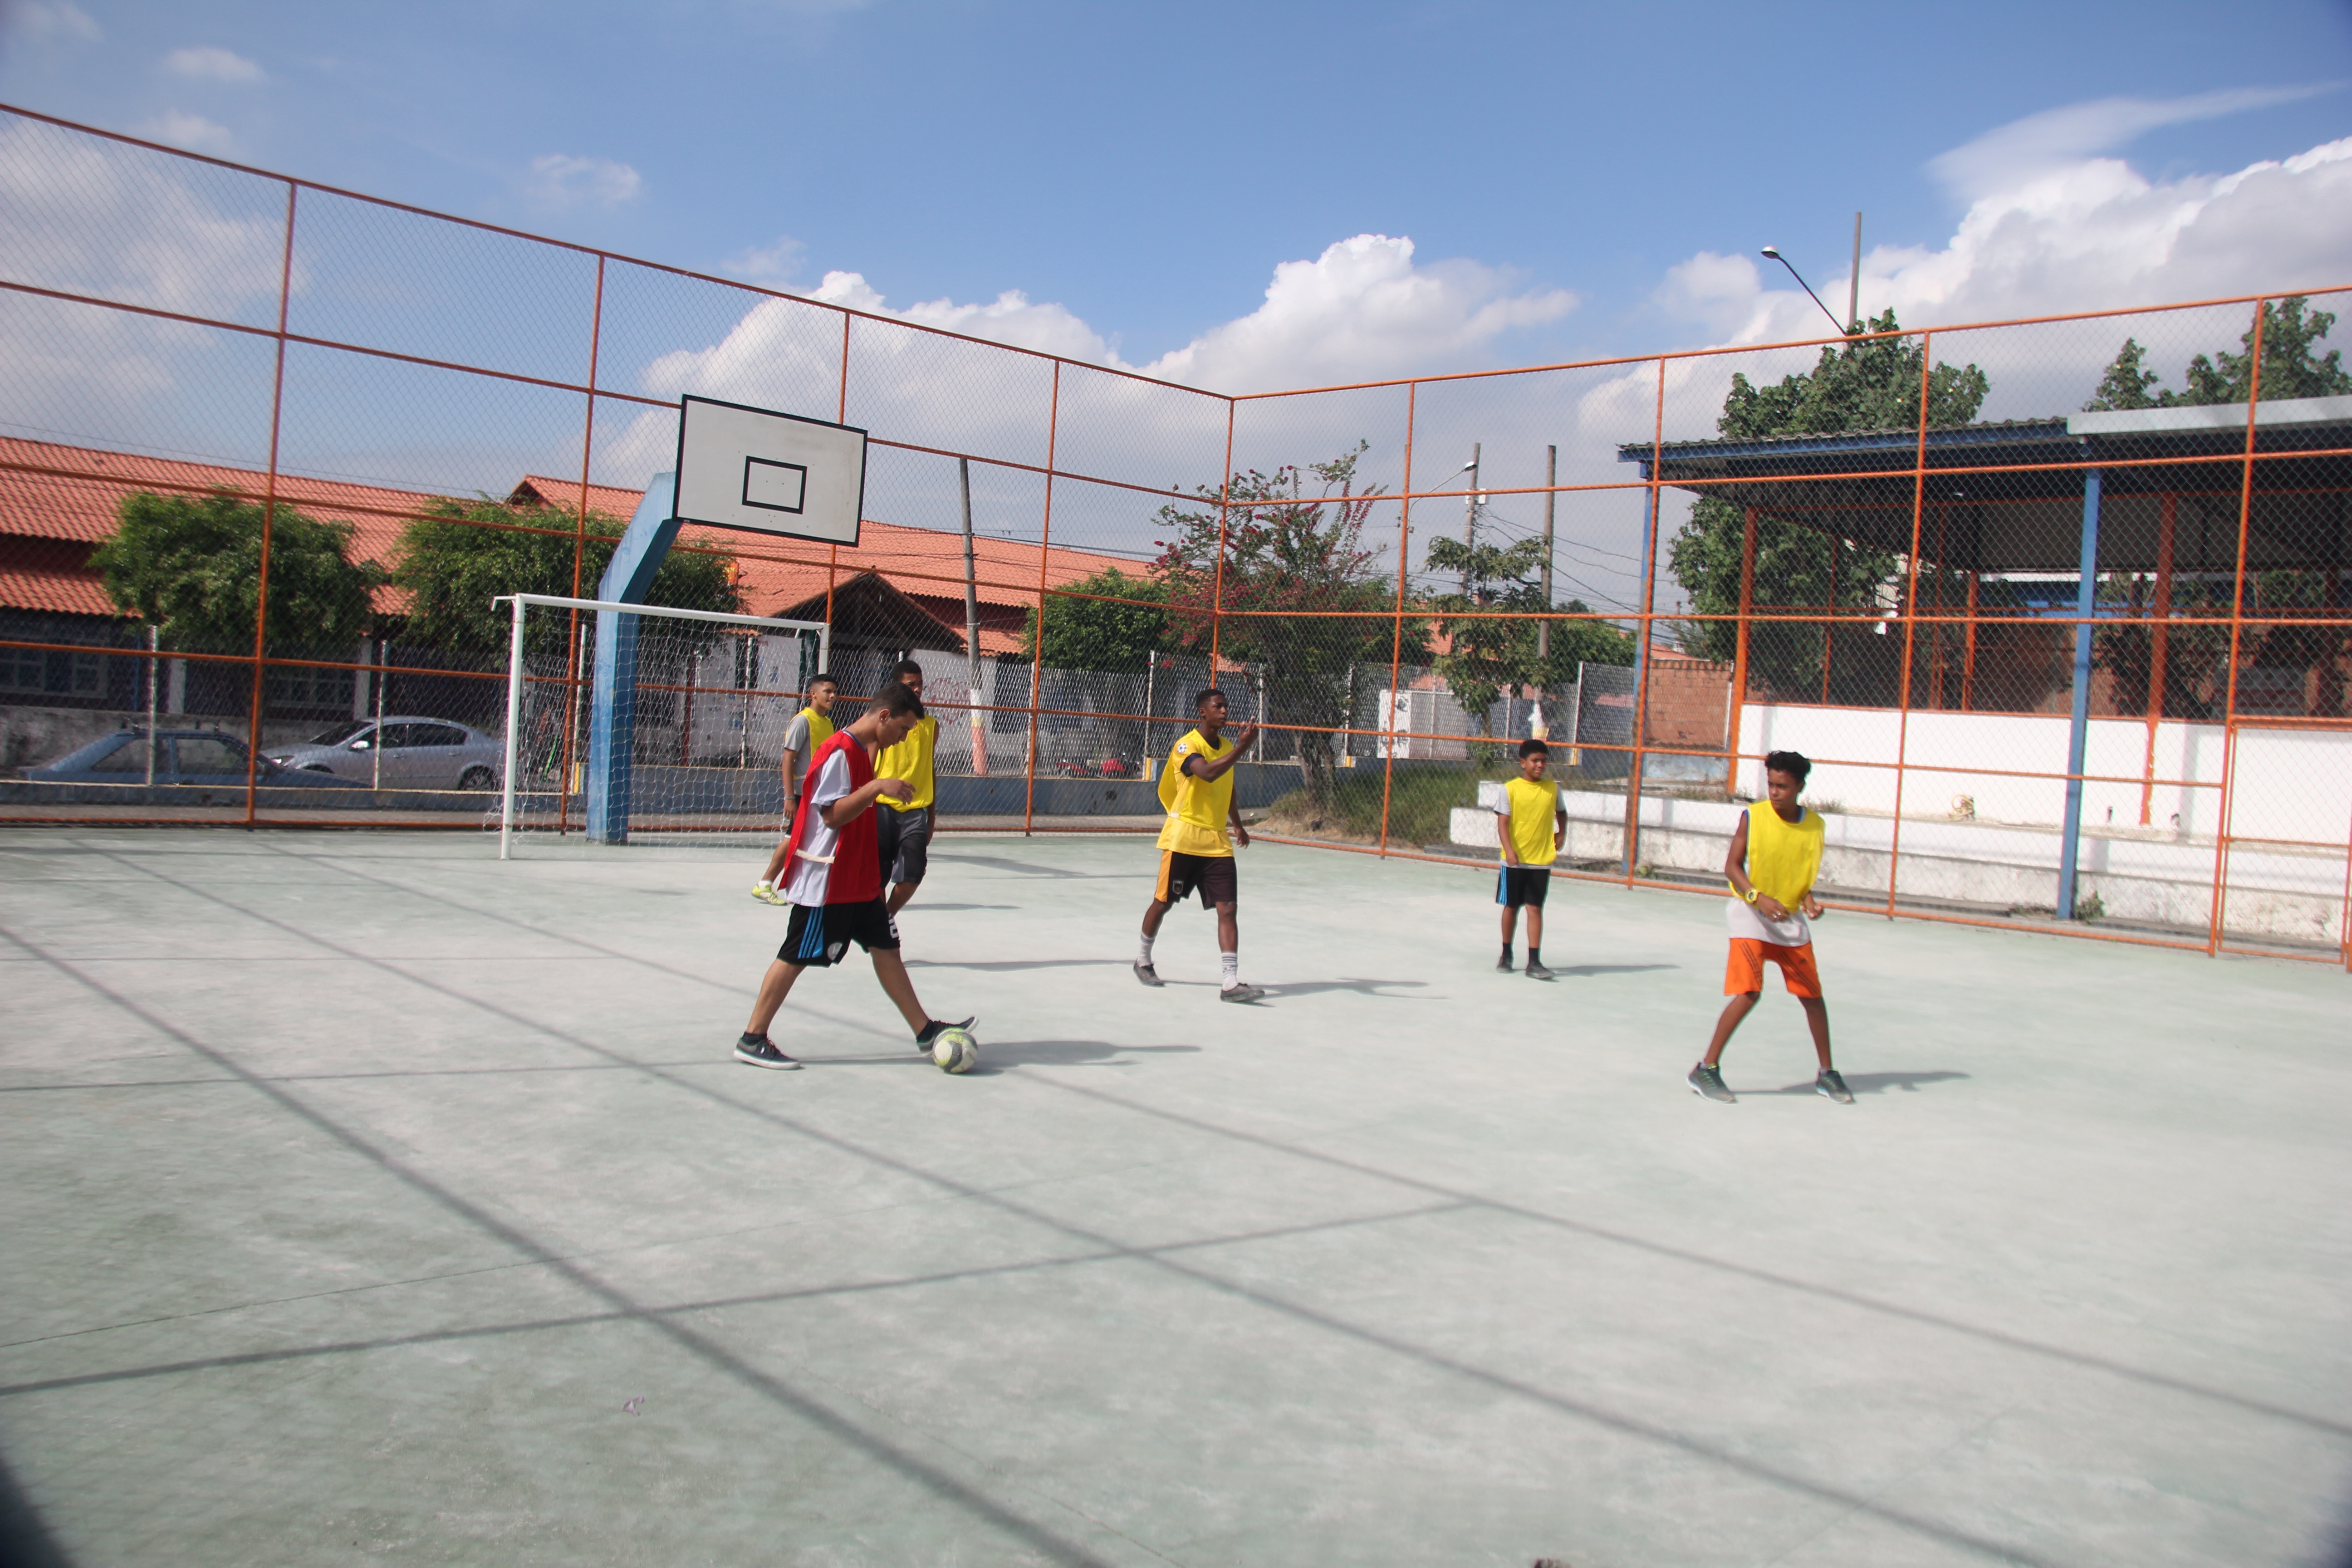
(955, 1051)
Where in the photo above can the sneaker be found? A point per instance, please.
(1244, 993)
(1504, 966)
(1708, 1081)
(1148, 974)
(1830, 1086)
(760, 1052)
(932, 1030)
(1536, 971)
(766, 893)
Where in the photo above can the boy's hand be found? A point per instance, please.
(1241, 835)
(1770, 908)
(897, 789)
(1244, 736)
(1812, 908)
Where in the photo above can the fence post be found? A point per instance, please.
(1045, 552)
(2159, 614)
(1910, 616)
(268, 515)
(1731, 759)
(1396, 646)
(2078, 730)
(1642, 646)
(2214, 932)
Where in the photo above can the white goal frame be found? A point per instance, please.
(521, 602)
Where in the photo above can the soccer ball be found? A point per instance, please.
(955, 1051)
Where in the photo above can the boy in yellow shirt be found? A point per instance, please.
(902, 829)
(1532, 825)
(1197, 788)
(1776, 853)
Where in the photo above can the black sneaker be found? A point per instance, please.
(931, 1031)
(1148, 974)
(1240, 993)
(760, 1052)
(1536, 971)
(1708, 1081)
(1832, 1087)
(1504, 966)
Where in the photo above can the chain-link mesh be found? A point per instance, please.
(2061, 610)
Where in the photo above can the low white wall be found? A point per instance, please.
(2293, 895)
(2292, 784)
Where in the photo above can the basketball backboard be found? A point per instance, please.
(766, 472)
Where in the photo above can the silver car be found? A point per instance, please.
(403, 751)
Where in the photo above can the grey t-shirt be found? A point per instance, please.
(797, 741)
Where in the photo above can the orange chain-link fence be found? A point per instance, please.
(2061, 609)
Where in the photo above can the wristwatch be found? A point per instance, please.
(1750, 894)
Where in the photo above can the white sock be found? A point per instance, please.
(1144, 957)
(763, 883)
(1230, 965)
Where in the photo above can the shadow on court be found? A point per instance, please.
(1031, 868)
(1066, 1053)
(1578, 971)
(1870, 1082)
(1009, 964)
(1383, 988)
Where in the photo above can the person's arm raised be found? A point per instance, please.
(1206, 771)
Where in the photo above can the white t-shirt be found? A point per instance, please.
(1744, 920)
(812, 873)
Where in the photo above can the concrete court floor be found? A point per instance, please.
(366, 1199)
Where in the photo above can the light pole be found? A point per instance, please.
(1774, 253)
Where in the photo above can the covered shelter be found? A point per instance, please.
(2221, 492)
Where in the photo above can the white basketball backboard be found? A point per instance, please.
(769, 473)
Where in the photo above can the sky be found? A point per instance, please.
(1249, 197)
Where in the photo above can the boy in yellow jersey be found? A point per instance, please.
(902, 828)
(1197, 788)
(810, 727)
(1776, 853)
(1532, 825)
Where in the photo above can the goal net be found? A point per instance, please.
(628, 723)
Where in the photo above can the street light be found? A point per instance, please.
(1774, 253)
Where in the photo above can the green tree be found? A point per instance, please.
(2292, 366)
(454, 561)
(1301, 595)
(1487, 658)
(1861, 384)
(189, 566)
(1109, 621)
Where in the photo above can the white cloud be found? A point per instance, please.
(210, 64)
(560, 183)
(42, 20)
(1010, 317)
(769, 265)
(2024, 150)
(193, 131)
(1362, 310)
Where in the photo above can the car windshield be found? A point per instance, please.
(341, 732)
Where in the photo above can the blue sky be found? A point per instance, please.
(1593, 174)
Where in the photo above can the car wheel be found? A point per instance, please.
(476, 778)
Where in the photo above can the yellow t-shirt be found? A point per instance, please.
(1532, 810)
(1783, 858)
(1196, 810)
(910, 760)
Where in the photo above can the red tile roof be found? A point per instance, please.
(71, 496)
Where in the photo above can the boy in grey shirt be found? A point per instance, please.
(810, 727)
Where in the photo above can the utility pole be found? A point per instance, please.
(971, 626)
(1853, 284)
(1552, 477)
(1470, 519)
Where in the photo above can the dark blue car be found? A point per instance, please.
(207, 757)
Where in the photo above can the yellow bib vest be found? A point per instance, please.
(1196, 810)
(1783, 858)
(910, 760)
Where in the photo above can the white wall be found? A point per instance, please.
(2291, 783)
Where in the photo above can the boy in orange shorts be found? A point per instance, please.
(1776, 853)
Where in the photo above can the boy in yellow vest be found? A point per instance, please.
(1776, 853)
(810, 727)
(1197, 788)
(902, 829)
(1531, 823)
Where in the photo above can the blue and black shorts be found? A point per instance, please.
(819, 934)
(1522, 885)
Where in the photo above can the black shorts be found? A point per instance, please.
(1211, 874)
(820, 934)
(904, 838)
(1522, 885)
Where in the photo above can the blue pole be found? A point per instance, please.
(613, 688)
(2078, 736)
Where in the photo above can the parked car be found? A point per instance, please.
(401, 751)
(209, 757)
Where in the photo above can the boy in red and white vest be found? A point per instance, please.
(832, 876)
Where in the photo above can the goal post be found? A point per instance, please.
(703, 692)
